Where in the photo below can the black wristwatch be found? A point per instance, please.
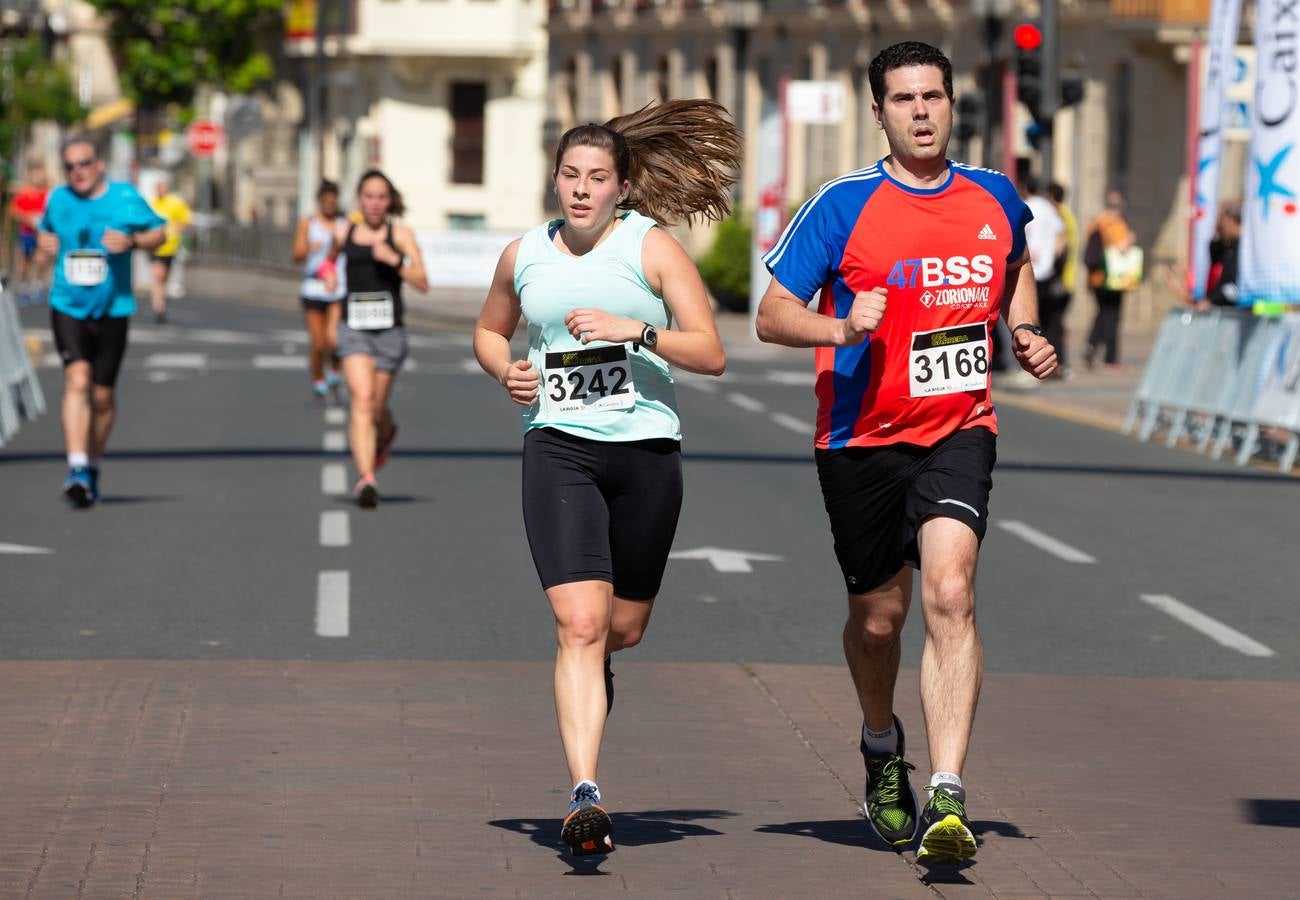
(1028, 326)
(650, 336)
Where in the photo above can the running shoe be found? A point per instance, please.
(78, 487)
(890, 805)
(587, 828)
(609, 687)
(367, 493)
(94, 483)
(385, 448)
(946, 835)
(320, 389)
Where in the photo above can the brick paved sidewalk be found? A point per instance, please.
(389, 780)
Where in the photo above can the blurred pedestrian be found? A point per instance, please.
(89, 229)
(27, 207)
(1045, 235)
(1053, 308)
(176, 212)
(381, 254)
(611, 301)
(321, 307)
(1221, 280)
(1114, 263)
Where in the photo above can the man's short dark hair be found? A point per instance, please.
(1031, 184)
(77, 138)
(907, 53)
(1056, 191)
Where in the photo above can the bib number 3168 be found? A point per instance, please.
(950, 360)
(585, 381)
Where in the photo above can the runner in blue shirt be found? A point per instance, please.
(89, 229)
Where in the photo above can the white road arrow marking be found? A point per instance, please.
(23, 549)
(727, 560)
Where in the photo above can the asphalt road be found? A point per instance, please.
(222, 534)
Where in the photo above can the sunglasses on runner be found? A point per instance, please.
(78, 164)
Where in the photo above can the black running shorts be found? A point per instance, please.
(601, 510)
(101, 342)
(878, 497)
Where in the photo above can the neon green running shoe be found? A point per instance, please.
(946, 835)
(890, 805)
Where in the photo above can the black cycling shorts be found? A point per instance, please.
(878, 497)
(100, 342)
(601, 510)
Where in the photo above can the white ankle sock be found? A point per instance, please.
(880, 741)
(947, 779)
(78, 459)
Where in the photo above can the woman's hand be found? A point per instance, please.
(521, 382)
(386, 255)
(598, 325)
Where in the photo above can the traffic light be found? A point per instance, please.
(1028, 38)
(970, 113)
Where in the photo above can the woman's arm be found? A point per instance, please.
(300, 248)
(693, 342)
(412, 270)
(496, 325)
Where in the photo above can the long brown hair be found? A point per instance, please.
(681, 157)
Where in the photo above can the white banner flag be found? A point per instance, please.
(1270, 263)
(1219, 57)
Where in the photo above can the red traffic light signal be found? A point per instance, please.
(1027, 36)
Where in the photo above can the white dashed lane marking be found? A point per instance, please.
(334, 442)
(1046, 542)
(792, 423)
(332, 590)
(336, 415)
(176, 360)
(1208, 626)
(334, 528)
(279, 361)
(747, 403)
(333, 480)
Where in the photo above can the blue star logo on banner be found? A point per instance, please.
(1268, 175)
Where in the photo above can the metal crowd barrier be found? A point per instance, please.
(1223, 375)
(20, 393)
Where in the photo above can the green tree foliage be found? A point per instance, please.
(166, 49)
(725, 268)
(34, 87)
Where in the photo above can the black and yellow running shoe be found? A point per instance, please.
(890, 805)
(587, 829)
(946, 835)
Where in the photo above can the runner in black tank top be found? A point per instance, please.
(368, 276)
(371, 336)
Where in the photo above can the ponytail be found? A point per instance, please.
(681, 157)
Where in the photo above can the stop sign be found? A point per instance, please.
(204, 137)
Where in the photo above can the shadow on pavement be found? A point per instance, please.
(385, 499)
(133, 500)
(514, 454)
(659, 826)
(1277, 813)
(1001, 829)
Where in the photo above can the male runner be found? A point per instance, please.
(176, 212)
(914, 257)
(89, 229)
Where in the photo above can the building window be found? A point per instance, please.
(468, 106)
(467, 222)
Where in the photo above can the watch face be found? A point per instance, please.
(651, 336)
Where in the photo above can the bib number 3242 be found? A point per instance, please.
(587, 381)
(950, 360)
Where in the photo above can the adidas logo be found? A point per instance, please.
(986, 234)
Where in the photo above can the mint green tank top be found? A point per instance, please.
(601, 391)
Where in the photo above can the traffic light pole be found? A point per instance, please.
(1051, 93)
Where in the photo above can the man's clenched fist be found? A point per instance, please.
(864, 318)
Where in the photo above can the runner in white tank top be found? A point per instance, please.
(320, 306)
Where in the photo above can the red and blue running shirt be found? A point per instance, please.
(942, 254)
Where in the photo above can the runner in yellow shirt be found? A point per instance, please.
(177, 213)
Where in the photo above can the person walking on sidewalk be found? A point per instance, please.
(1045, 236)
(380, 255)
(89, 229)
(176, 212)
(1066, 269)
(611, 300)
(914, 257)
(321, 308)
(1114, 263)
